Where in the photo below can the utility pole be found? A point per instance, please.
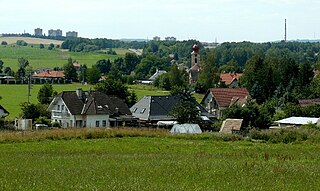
(29, 87)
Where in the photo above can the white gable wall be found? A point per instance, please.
(60, 113)
(2, 113)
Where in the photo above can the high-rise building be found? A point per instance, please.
(38, 32)
(171, 38)
(156, 38)
(73, 34)
(55, 33)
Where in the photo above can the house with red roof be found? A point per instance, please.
(49, 75)
(218, 99)
(230, 79)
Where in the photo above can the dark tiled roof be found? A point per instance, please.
(224, 96)
(94, 103)
(157, 107)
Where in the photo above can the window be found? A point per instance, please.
(84, 123)
(134, 110)
(104, 123)
(58, 107)
(97, 123)
(196, 60)
(62, 107)
(143, 110)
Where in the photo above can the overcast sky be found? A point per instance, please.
(204, 20)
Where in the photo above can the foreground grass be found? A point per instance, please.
(161, 162)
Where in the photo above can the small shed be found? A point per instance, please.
(186, 129)
(231, 126)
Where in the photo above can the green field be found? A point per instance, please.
(163, 163)
(13, 95)
(44, 58)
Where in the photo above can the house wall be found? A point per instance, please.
(211, 106)
(2, 113)
(103, 120)
(61, 114)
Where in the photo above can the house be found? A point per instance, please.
(230, 79)
(157, 74)
(152, 109)
(88, 109)
(218, 99)
(49, 75)
(3, 112)
(297, 121)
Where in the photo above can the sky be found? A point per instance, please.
(203, 20)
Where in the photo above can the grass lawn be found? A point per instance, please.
(163, 163)
(14, 95)
(44, 58)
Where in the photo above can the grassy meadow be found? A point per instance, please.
(164, 162)
(44, 58)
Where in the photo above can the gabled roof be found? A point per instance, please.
(308, 102)
(157, 108)
(50, 74)
(298, 120)
(93, 103)
(226, 96)
(230, 125)
(4, 111)
(228, 78)
(157, 74)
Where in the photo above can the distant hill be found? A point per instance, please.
(30, 40)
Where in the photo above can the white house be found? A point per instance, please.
(88, 109)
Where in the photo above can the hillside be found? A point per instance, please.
(29, 40)
(39, 58)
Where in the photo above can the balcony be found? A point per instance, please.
(60, 114)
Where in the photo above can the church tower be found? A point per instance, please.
(195, 56)
(195, 65)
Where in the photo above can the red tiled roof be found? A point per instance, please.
(228, 78)
(195, 68)
(308, 102)
(224, 96)
(77, 64)
(50, 74)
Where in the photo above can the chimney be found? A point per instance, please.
(79, 93)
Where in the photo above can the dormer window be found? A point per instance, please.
(134, 110)
(143, 110)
